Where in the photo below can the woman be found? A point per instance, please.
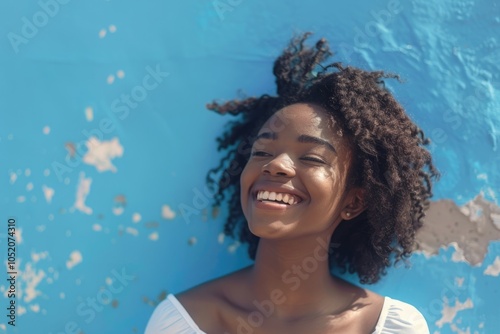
(331, 173)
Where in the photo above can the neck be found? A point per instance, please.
(293, 275)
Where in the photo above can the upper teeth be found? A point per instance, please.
(274, 196)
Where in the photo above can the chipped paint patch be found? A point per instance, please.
(97, 227)
(29, 186)
(494, 268)
(469, 229)
(82, 193)
(19, 235)
(495, 217)
(35, 257)
(458, 254)
(35, 308)
(449, 313)
(48, 193)
(132, 231)
(166, 212)
(136, 217)
(100, 153)
(117, 211)
(75, 258)
(46, 130)
(30, 278)
(154, 236)
(89, 114)
(12, 177)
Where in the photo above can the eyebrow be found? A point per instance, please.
(302, 139)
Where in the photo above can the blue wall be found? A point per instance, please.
(106, 227)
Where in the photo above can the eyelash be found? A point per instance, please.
(262, 153)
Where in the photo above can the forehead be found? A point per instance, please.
(302, 118)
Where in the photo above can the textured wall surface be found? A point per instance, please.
(105, 142)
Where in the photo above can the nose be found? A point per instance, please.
(281, 165)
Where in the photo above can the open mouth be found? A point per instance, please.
(277, 197)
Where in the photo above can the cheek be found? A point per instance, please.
(245, 183)
(326, 190)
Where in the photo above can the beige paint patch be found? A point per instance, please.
(167, 213)
(117, 211)
(19, 235)
(100, 153)
(89, 114)
(469, 229)
(35, 257)
(30, 278)
(13, 177)
(75, 258)
(48, 193)
(136, 217)
(494, 268)
(449, 313)
(82, 192)
(132, 231)
(35, 308)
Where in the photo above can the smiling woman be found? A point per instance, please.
(333, 174)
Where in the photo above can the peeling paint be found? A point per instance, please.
(75, 258)
(166, 212)
(100, 153)
(494, 268)
(469, 229)
(48, 193)
(81, 194)
(450, 312)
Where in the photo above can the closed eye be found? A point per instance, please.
(260, 154)
(313, 159)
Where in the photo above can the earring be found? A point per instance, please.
(348, 214)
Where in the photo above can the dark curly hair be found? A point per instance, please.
(391, 163)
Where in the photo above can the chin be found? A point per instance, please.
(268, 230)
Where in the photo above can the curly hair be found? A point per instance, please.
(391, 162)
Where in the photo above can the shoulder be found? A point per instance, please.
(213, 291)
(198, 307)
(400, 317)
(170, 317)
(210, 302)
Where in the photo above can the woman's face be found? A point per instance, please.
(294, 182)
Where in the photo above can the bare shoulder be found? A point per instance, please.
(206, 303)
(365, 305)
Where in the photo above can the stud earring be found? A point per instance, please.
(348, 214)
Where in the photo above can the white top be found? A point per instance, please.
(397, 317)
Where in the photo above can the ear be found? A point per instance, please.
(354, 203)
